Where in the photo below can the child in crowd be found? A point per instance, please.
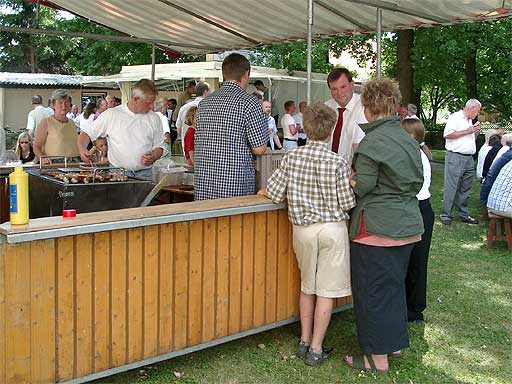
(416, 279)
(188, 139)
(24, 150)
(99, 151)
(315, 181)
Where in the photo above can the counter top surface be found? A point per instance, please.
(57, 226)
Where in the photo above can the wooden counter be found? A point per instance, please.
(106, 292)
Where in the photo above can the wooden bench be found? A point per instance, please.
(499, 230)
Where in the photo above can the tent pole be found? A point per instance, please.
(310, 43)
(379, 45)
(153, 59)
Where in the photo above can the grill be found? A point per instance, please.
(48, 195)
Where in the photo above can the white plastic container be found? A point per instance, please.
(175, 175)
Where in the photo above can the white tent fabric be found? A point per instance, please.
(197, 70)
(199, 26)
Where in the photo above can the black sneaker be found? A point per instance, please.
(446, 220)
(468, 220)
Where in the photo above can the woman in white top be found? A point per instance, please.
(85, 119)
(416, 279)
(290, 131)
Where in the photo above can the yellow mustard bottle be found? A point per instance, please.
(18, 190)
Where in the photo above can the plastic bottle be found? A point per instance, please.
(18, 188)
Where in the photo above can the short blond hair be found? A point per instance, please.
(381, 96)
(319, 120)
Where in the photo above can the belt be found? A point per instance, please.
(462, 154)
(287, 139)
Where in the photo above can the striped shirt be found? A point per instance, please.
(315, 181)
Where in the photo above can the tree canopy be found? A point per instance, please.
(20, 52)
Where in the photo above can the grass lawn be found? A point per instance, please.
(467, 336)
(438, 154)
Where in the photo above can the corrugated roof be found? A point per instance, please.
(39, 79)
(198, 26)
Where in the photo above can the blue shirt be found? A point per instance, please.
(500, 197)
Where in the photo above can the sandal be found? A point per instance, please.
(314, 358)
(302, 350)
(358, 363)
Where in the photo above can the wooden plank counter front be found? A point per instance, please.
(106, 292)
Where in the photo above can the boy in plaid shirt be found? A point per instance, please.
(315, 181)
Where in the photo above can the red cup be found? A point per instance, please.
(67, 213)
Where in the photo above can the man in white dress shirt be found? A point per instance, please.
(346, 134)
(459, 167)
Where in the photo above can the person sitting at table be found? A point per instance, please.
(56, 135)
(484, 150)
(188, 140)
(495, 143)
(24, 150)
(99, 151)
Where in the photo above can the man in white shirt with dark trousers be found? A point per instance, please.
(459, 167)
(349, 113)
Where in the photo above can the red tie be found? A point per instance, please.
(337, 131)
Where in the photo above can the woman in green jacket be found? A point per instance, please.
(384, 226)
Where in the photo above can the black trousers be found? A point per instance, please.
(378, 291)
(416, 279)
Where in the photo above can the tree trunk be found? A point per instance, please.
(404, 73)
(470, 73)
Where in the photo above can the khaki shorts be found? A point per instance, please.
(322, 251)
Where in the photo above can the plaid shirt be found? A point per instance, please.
(315, 181)
(500, 197)
(229, 123)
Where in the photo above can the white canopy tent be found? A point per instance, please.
(281, 85)
(199, 26)
(219, 25)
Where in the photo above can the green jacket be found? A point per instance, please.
(388, 177)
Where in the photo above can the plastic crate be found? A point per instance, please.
(265, 165)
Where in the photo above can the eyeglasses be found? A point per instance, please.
(24, 142)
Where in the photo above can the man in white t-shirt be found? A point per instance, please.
(37, 114)
(346, 134)
(459, 167)
(133, 131)
(202, 90)
(299, 121)
(290, 131)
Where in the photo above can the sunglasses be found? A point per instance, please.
(24, 142)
